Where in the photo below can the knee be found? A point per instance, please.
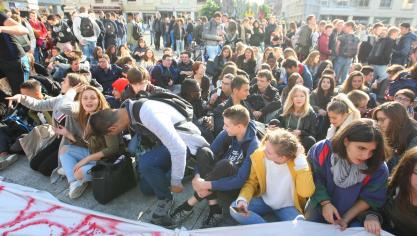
(203, 154)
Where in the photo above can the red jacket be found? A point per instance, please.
(323, 46)
(40, 31)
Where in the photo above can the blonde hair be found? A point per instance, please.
(82, 114)
(284, 142)
(289, 103)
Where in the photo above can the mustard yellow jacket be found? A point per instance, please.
(256, 183)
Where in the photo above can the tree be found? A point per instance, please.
(264, 11)
(209, 9)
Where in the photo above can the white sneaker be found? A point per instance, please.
(76, 189)
(61, 171)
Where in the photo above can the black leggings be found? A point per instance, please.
(47, 159)
(211, 169)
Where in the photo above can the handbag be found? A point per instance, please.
(112, 178)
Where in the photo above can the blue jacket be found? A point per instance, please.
(402, 50)
(235, 155)
(106, 78)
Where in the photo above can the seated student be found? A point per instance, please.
(399, 213)
(368, 75)
(360, 100)
(380, 88)
(74, 66)
(225, 166)
(280, 181)
(9, 142)
(56, 59)
(400, 130)
(220, 61)
(291, 66)
(140, 50)
(402, 80)
(341, 112)
(185, 66)
(222, 93)
(162, 75)
(168, 146)
(191, 92)
(199, 74)
(356, 80)
(240, 91)
(247, 62)
(319, 99)
(81, 155)
(118, 87)
(349, 173)
(293, 80)
(52, 104)
(139, 83)
(406, 98)
(106, 73)
(298, 116)
(264, 98)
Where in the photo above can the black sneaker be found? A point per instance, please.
(213, 220)
(180, 215)
(161, 215)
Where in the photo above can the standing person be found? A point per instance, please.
(158, 27)
(257, 38)
(111, 31)
(61, 33)
(403, 48)
(40, 34)
(381, 52)
(121, 29)
(304, 41)
(323, 43)
(350, 175)
(133, 31)
(269, 29)
(179, 35)
(366, 47)
(346, 50)
(213, 35)
(337, 31)
(151, 30)
(100, 23)
(14, 64)
(87, 31)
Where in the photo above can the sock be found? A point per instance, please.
(186, 206)
(197, 197)
(215, 209)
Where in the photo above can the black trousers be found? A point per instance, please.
(14, 71)
(47, 159)
(157, 40)
(211, 169)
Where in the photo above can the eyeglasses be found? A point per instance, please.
(401, 99)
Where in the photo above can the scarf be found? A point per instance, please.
(346, 174)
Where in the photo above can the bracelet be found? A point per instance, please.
(326, 203)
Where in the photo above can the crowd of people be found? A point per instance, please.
(311, 122)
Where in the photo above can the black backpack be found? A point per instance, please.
(86, 27)
(136, 32)
(110, 28)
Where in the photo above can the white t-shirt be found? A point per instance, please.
(279, 186)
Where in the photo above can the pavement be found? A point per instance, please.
(131, 205)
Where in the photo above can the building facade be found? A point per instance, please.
(47, 6)
(391, 12)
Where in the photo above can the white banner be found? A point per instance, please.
(30, 212)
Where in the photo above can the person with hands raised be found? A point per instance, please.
(280, 181)
(349, 174)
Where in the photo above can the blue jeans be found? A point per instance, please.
(172, 38)
(154, 168)
(26, 67)
(71, 157)
(314, 214)
(258, 207)
(380, 72)
(180, 46)
(166, 39)
(341, 68)
(212, 52)
(88, 49)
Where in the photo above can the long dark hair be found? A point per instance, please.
(320, 92)
(401, 127)
(362, 130)
(401, 178)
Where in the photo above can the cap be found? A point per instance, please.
(120, 84)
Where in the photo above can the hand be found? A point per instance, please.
(296, 132)
(80, 164)
(16, 98)
(257, 114)
(374, 85)
(213, 98)
(204, 193)
(170, 83)
(62, 131)
(242, 204)
(300, 150)
(322, 112)
(79, 88)
(329, 212)
(372, 225)
(208, 121)
(177, 188)
(342, 223)
(198, 184)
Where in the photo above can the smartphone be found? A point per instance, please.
(238, 210)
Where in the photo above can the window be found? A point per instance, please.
(342, 3)
(361, 20)
(99, 1)
(115, 0)
(400, 20)
(383, 20)
(324, 3)
(408, 4)
(385, 3)
(363, 3)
